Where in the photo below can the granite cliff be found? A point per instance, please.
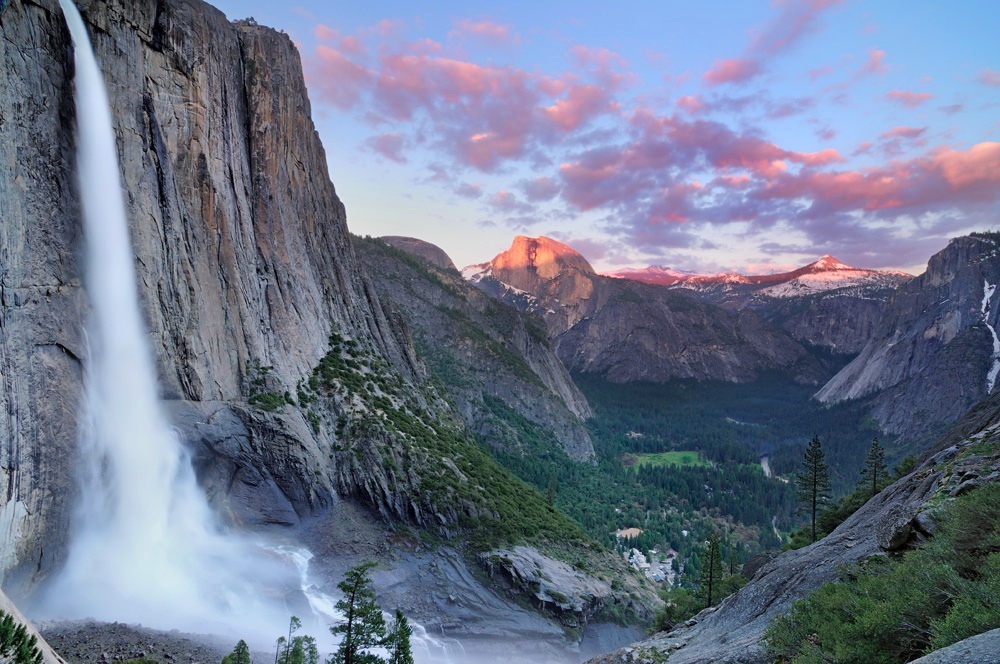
(933, 352)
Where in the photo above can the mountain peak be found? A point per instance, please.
(828, 262)
(542, 255)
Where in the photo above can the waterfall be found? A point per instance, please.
(144, 546)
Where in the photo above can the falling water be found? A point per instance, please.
(145, 547)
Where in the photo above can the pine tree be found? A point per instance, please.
(874, 473)
(364, 628)
(813, 483)
(16, 644)
(712, 571)
(398, 641)
(239, 655)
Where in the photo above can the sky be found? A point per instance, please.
(749, 136)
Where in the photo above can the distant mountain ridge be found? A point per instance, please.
(821, 276)
(628, 331)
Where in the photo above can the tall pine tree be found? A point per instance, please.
(364, 628)
(398, 641)
(813, 483)
(874, 474)
(711, 571)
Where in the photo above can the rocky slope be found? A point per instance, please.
(628, 331)
(968, 456)
(480, 349)
(933, 353)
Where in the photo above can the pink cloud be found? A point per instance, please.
(353, 46)
(487, 31)
(795, 21)
(325, 33)
(908, 99)
(389, 145)
(819, 72)
(977, 169)
(989, 77)
(826, 133)
(874, 65)
(338, 80)
(732, 181)
(693, 105)
(581, 104)
(734, 70)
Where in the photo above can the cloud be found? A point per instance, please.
(388, 145)
(734, 70)
(989, 77)
(507, 203)
(874, 65)
(540, 189)
(795, 20)
(894, 141)
(951, 109)
(339, 80)
(819, 72)
(471, 191)
(486, 31)
(908, 99)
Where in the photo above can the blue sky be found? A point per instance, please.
(707, 136)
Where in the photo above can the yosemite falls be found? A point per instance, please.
(145, 546)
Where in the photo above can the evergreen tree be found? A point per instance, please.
(364, 628)
(16, 643)
(712, 572)
(398, 641)
(874, 473)
(239, 655)
(813, 483)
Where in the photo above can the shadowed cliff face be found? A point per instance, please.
(241, 249)
(629, 331)
(932, 351)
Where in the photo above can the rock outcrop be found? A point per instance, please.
(933, 353)
(479, 349)
(628, 331)
(896, 518)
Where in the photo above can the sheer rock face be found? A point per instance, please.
(479, 346)
(241, 248)
(629, 331)
(932, 351)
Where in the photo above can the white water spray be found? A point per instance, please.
(145, 546)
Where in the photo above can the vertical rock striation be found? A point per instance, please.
(241, 249)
